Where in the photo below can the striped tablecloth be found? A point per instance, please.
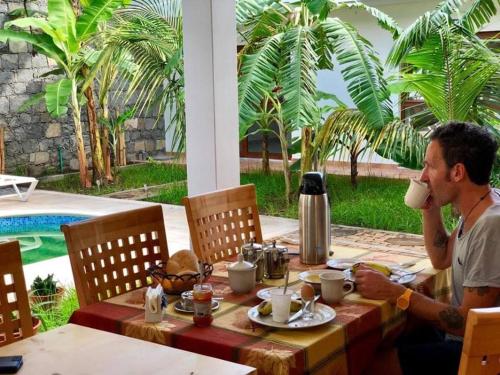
(344, 346)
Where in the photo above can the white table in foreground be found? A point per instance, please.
(75, 350)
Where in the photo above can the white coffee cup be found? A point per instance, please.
(417, 194)
(281, 304)
(334, 286)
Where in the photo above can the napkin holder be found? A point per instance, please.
(154, 303)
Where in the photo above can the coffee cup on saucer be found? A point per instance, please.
(334, 286)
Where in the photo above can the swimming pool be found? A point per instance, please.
(39, 235)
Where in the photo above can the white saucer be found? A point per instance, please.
(345, 263)
(312, 276)
(178, 307)
(398, 276)
(322, 314)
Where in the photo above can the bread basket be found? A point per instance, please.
(178, 283)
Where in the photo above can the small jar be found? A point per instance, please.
(202, 305)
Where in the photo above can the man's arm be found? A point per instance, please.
(438, 243)
(449, 318)
(373, 284)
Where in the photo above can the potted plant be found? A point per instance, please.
(46, 292)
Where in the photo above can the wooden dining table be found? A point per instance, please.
(76, 350)
(345, 345)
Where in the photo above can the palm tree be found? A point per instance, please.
(347, 130)
(444, 62)
(287, 43)
(143, 55)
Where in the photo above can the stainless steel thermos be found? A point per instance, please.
(314, 219)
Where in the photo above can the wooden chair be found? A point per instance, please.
(481, 350)
(220, 222)
(15, 313)
(110, 254)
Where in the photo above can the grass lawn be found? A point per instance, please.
(130, 177)
(377, 203)
(53, 317)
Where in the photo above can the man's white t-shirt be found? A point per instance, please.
(476, 255)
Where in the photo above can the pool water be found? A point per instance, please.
(39, 236)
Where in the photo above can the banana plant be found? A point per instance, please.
(62, 36)
(286, 44)
(116, 129)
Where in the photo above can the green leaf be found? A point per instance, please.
(299, 87)
(320, 7)
(98, 11)
(479, 14)
(53, 72)
(451, 73)
(321, 95)
(257, 77)
(57, 97)
(35, 99)
(62, 18)
(362, 72)
(37, 23)
(250, 9)
(44, 43)
(425, 26)
(323, 48)
(385, 21)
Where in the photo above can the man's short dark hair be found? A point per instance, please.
(471, 145)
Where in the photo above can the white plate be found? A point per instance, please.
(398, 276)
(266, 293)
(345, 263)
(178, 307)
(322, 314)
(312, 276)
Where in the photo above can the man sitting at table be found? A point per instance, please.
(457, 167)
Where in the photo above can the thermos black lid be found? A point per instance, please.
(312, 184)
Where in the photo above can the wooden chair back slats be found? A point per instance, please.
(110, 254)
(15, 313)
(222, 221)
(481, 350)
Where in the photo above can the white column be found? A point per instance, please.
(212, 148)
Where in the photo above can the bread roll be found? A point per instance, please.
(186, 260)
(173, 267)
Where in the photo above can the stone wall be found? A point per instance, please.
(33, 139)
